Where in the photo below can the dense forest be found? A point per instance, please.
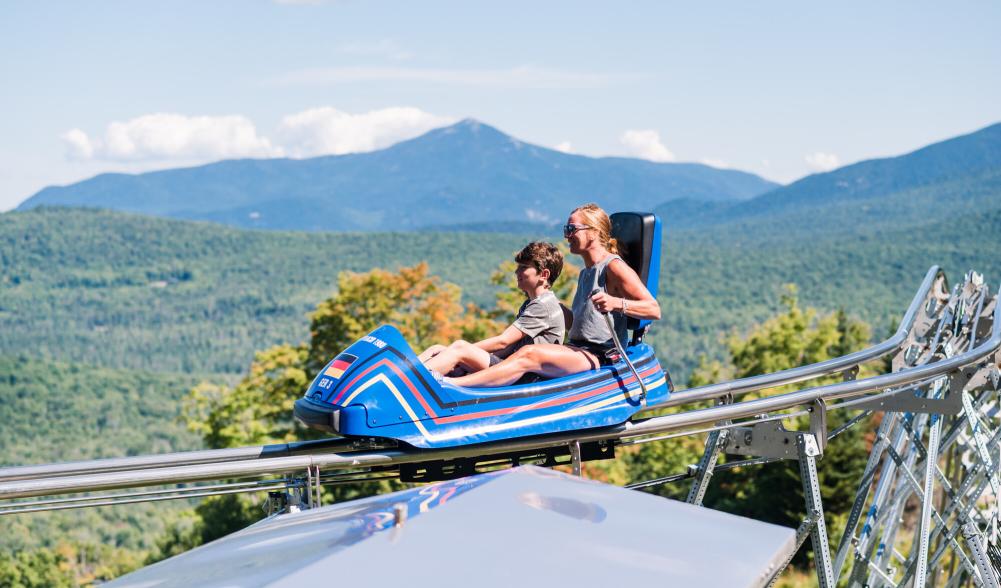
(107, 320)
(53, 411)
(126, 291)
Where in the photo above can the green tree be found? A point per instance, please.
(39, 568)
(773, 493)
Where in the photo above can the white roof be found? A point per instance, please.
(521, 527)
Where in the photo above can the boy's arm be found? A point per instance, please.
(510, 336)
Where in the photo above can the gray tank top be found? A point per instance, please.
(589, 327)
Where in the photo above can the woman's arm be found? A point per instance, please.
(510, 336)
(625, 291)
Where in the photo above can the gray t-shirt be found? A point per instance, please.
(540, 320)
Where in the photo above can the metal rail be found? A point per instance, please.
(336, 460)
(933, 277)
(163, 460)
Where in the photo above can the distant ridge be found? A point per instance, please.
(960, 157)
(466, 173)
(958, 175)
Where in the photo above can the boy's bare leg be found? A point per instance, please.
(431, 352)
(460, 353)
(551, 361)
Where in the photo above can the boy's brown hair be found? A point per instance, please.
(542, 255)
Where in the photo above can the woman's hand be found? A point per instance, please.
(605, 302)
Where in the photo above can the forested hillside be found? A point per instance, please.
(125, 290)
(120, 290)
(53, 411)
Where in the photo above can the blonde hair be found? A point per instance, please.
(596, 218)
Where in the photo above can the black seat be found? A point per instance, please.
(639, 238)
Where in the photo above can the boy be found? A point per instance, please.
(541, 319)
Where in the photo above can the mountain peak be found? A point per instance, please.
(471, 127)
(467, 134)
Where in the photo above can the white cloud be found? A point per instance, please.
(565, 147)
(78, 145)
(525, 76)
(820, 161)
(328, 131)
(164, 136)
(386, 48)
(646, 144)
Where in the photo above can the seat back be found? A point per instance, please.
(639, 238)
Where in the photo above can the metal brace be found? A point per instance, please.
(575, 457)
(905, 401)
(283, 501)
(768, 439)
(318, 501)
(818, 422)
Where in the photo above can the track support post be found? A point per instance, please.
(809, 450)
(707, 465)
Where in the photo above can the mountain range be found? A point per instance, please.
(465, 173)
(957, 176)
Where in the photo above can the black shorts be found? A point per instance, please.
(494, 360)
(605, 355)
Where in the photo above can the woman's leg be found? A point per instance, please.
(460, 353)
(551, 361)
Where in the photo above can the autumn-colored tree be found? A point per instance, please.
(258, 409)
(424, 309)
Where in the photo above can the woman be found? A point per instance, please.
(620, 291)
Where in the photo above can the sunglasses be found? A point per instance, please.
(570, 228)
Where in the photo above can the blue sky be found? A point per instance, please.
(781, 89)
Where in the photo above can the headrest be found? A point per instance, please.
(638, 235)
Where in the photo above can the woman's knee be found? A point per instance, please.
(528, 357)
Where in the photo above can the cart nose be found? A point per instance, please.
(317, 415)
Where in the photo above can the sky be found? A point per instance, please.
(779, 89)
